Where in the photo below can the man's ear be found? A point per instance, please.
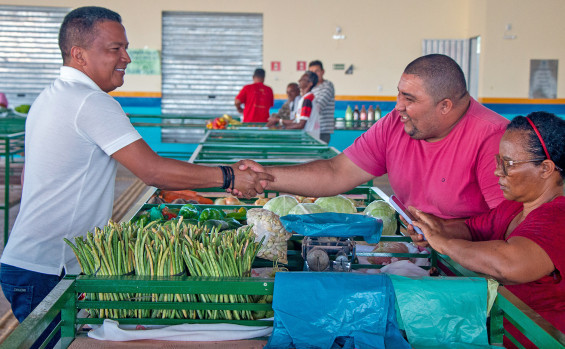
(445, 106)
(77, 55)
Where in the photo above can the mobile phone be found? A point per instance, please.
(399, 207)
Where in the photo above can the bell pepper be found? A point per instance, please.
(240, 215)
(189, 211)
(168, 214)
(211, 213)
(142, 218)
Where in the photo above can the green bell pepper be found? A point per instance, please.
(189, 211)
(211, 213)
(240, 215)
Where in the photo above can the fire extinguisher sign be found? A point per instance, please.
(275, 66)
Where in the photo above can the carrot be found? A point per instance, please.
(170, 195)
(204, 201)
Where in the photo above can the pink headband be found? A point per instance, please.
(539, 136)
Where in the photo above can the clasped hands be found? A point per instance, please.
(250, 179)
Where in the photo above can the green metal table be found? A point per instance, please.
(64, 299)
(260, 136)
(12, 142)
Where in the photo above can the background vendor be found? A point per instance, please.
(307, 115)
(289, 108)
(255, 100)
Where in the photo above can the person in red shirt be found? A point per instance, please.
(520, 242)
(256, 99)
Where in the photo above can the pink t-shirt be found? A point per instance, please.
(451, 178)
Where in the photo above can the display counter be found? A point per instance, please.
(226, 147)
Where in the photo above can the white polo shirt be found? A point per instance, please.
(72, 129)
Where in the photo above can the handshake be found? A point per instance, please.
(249, 179)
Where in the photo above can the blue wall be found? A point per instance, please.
(341, 139)
(142, 105)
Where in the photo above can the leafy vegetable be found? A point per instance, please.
(306, 208)
(337, 204)
(281, 205)
(382, 210)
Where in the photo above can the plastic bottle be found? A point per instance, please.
(363, 113)
(356, 113)
(371, 114)
(377, 113)
(348, 113)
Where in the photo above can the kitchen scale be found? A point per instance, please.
(328, 253)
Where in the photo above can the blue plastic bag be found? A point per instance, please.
(335, 225)
(442, 312)
(312, 310)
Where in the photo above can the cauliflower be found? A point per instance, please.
(267, 224)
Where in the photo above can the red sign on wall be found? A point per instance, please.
(275, 66)
(300, 65)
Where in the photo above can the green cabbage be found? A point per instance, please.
(338, 204)
(385, 212)
(306, 208)
(281, 205)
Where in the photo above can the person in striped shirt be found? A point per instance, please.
(325, 99)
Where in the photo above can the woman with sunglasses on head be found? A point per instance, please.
(521, 242)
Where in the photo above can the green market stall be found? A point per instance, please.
(221, 147)
(12, 142)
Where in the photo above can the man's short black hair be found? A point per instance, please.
(313, 78)
(442, 76)
(79, 27)
(316, 63)
(294, 85)
(259, 73)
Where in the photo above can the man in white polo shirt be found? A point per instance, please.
(75, 133)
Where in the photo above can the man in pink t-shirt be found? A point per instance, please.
(256, 99)
(437, 146)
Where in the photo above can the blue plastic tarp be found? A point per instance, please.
(334, 225)
(313, 310)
